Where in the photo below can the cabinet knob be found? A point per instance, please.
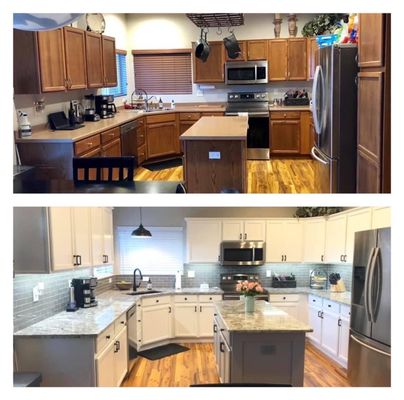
(157, 301)
(284, 298)
(185, 298)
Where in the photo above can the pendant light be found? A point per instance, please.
(141, 231)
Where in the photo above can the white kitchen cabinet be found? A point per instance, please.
(82, 235)
(156, 323)
(358, 220)
(254, 230)
(343, 342)
(284, 240)
(335, 238)
(108, 235)
(206, 312)
(313, 239)
(104, 364)
(186, 320)
(381, 217)
(232, 230)
(243, 230)
(203, 240)
(121, 356)
(315, 309)
(329, 332)
(102, 237)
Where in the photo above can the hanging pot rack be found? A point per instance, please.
(216, 20)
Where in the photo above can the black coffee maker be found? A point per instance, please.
(84, 291)
(105, 106)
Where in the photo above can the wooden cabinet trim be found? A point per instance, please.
(110, 134)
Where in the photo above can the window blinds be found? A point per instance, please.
(161, 72)
(160, 254)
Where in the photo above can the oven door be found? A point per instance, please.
(258, 136)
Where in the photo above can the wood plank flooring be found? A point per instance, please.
(197, 366)
(280, 175)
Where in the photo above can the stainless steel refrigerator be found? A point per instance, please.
(334, 109)
(369, 359)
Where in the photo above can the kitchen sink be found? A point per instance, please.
(143, 292)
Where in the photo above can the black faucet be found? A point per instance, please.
(134, 279)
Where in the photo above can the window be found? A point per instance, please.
(163, 71)
(122, 88)
(160, 254)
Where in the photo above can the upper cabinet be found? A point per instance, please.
(243, 230)
(257, 50)
(371, 40)
(313, 239)
(297, 59)
(102, 238)
(243, 52)
(312, 56)
(58, 60)
(212, 70)
(381, 217)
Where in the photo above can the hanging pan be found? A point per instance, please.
(202, 48)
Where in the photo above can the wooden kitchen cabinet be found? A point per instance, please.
(306, 133)
(243, 53)
(312, 56)
(371, 46)
(278, 59)
(297, 59)
(257, 50)
(285, 136)
(109, 61)
(161, 136)
(211, 71)
(95, 73)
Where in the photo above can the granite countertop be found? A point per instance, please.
(43, 134)
(92, 321)
(218, 128)
(265, 318)
(342, 297)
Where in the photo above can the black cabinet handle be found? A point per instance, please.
(157, 301)
(245, 236)
(319, 314)
(221, 347)
(284, 298)
(339, 322)
(123, 322)
(210, 298)
(286, 258)
(214, 328)
(74, 260)
(185, 298)
(108, 337)
(79, 260)
(200, 308)
(341, 258)
(196, 309)
(322, 257)
(241, 236)
(169, 309)
(322, 315)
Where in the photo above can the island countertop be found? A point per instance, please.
(218, 128)
(265, 318)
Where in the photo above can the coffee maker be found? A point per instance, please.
(105, 106)
(84, 291)
(89, 108)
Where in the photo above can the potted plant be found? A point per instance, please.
(322, 24)
(249, 289)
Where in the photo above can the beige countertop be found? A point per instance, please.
(289, 108)
(265, 318)
(218, 128)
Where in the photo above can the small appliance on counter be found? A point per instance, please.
(59, 122)
(105, 106)
(89, 108)
(318, 279)
(71, 305)
(296, 98)
(284, 281)
(25, 128)
(336, 283)
(84, 291)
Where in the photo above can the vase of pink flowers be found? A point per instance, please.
(249, 290)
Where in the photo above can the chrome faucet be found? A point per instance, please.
(145, 96)
(135, 286)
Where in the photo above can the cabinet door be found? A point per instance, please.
(108, 236)
(243, 53)
(315, 323)
(314, 240)
(297, 59)
(371, 40)
(312, 56)
(61, 238)
(275, 241)
(186, 320)
(82, 235)
(105, 367)
(206, 312)
(357, 221)
(216, 344)
(97, 235)
(254, 230)
(306, 133)
(162, 139)
(203, 240)
(329, 334)
(285, 137)
(293, 241)
(121, 356)
(232, 230)
(52, 60)
(381, 217)
(109, 61)
(278, 59)
(212, 70)
(335, 237)
(75, 57)
(257, 50)
(156, 324)
(95, 74)
(343, 340)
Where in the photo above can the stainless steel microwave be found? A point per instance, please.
(246, 72)
(242, 253)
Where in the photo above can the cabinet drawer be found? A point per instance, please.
(105, 338)
(186, 298)
(209, 298)
(141, 154)
(87, 144)
(190, 116)
(315, 301)
(212, 114)
(283, 298)
(120, 323)
(140, 137)
(285, 115)
(345, 311)
(156, 119)
(110, 134)
(152, 301)
(330, 306)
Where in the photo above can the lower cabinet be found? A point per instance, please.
(186, 319)
(293, 304)
(222, 351)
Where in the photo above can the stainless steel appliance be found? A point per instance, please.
(255, 105)
(318, 279)
(105, 106)
(242, 253)
(84, 291)
(246, 72)
(334, 108)
(369, 359)
(129, 139)
(228, 284)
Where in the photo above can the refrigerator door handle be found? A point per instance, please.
(369, 347)
(373, 300)
(317, 157)
(367, 287)
(317, 122)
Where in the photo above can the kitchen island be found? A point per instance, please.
(263, 347)
(215, 155)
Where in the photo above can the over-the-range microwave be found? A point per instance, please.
(246, 72)
(242, 253)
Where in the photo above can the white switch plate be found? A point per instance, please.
(35, 294)
(110, 280)
(146, 279)
(191, 274)
(269, 273)
(214, 155)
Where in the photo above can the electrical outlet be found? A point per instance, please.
(69, 282)
(146, 279)
(191, 274)
(269, 273)
(35, 294)
(110, 280)
(41, 288)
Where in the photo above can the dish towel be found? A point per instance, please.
(243, 114)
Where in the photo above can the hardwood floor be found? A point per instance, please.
(197, 366)
(280, 175)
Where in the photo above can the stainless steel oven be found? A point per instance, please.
(246, 72)
(228, 283)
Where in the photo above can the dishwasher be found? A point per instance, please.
(129, 140)
(131, 317)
